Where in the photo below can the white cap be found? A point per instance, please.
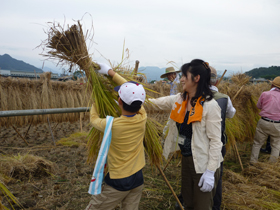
(131, 91)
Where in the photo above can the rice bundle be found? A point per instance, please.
(70, 46)
(242, 126)
(25, 166)
(256, 188)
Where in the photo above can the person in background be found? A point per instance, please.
(126, 158)
(227, 111)
(173, 78)
(269, 124)
(195, 124)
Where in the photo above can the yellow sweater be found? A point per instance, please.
(126, 153)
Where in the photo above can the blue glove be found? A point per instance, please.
(207, 181)
(104, 68)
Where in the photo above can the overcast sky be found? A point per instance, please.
(235, 35)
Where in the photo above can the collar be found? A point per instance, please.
(132, 115)
(275, 88)
(212, 87)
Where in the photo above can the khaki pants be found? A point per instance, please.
(110, 198)
(263, 130)
(193, 197)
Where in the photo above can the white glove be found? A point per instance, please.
(207, 181)
(104, 68)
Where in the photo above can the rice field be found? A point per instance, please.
(43, 176)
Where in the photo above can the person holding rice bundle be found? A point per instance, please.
(195, 124)
(124, 180)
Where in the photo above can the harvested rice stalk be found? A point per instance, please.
(10, 196)
(70, 46)
(25, 166)
(74, 140)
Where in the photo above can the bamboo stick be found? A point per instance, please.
(81, 125)
(169, 161)
(19, 134)
(236, 150)
(136, 67)
(54, 127)
(237, 93)
(221, 78)
(51, 131)
(170, 187)
(179, 162)
(28, 128)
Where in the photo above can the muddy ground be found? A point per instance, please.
(67, 186)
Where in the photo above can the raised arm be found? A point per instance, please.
(107, 70)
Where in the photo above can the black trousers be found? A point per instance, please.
(218, 196)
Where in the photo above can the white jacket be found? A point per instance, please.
(206, 139)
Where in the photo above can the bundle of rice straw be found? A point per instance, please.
(9, 196)
(70, 46)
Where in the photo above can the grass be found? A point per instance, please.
(74, 140)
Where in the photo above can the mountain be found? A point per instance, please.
(263, 72)
(152, 72)
(47, 69)
(9, 63)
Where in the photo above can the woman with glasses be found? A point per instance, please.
(195, 125)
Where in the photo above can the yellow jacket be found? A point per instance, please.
(126, 153)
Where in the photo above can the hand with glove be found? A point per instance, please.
(207, 181)
(104, 68)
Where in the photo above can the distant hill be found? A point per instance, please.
(152, 72)
(263, 72)
(9, 63)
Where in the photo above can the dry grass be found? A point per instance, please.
(25, 166)
(257, 187)
(74, 140)
(252, 189)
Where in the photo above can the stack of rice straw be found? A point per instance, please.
(69, 46)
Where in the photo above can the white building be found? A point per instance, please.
(5, 72)
(25, 74)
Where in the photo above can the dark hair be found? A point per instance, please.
(134, 107)
(199, 67)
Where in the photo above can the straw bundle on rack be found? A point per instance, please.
(70, 46)
(22, 94)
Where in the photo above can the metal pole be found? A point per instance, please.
(12, 113)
